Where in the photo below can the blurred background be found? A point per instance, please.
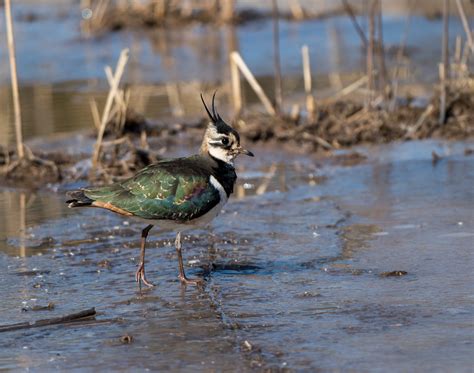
(63, 46)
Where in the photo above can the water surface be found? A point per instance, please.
(294, 276)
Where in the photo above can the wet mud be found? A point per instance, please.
(369, 268)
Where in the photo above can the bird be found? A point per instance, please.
(175, 194)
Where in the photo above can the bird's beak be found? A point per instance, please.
(244, 151)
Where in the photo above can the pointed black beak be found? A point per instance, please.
(246, 152)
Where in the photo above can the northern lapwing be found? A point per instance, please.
(175, 194)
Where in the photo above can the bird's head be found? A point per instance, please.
(221, 141)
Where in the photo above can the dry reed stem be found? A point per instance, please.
(353, 18)
(262, 188)
(465, 54)
(350, 88)
(172, 89)
(253, 82)
(296, 9)
(458, 49)
(429, 109)
(108, 104)
(370, 54)
(307, 81)
(380, 49)
(398, 61)
(443, 71)
(236, 87)
(465, 24)
(276, 57)
(95, 113)
(227, 10)
(14, 80)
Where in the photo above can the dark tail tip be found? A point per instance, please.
(78, 199)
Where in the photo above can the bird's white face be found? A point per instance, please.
(224, 147)
(221, 141)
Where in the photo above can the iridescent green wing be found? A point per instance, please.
(177, 189)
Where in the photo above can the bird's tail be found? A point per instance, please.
(78, 199)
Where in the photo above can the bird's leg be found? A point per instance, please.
(182, 276)
(140, 274)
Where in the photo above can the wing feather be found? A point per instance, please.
(166, 190)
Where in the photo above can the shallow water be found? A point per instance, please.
(294, 276)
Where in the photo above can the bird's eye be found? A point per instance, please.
(225, 141)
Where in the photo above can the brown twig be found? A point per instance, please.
(74, 317)
(400, 53)
(353, 18)
(276, 56)
(227, 10)
(370, 53)
(465, 24)
(380, 49)
(444, 64)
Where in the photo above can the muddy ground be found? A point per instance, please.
(338, 125)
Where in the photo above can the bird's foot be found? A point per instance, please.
(140, 276)
(190, 281)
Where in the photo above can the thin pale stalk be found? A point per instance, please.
(357, 27)
(307, 81)
(276, 56)
(380, 49)
(236, 87)
(465, 24)
(14, 81)
(370, 53)
(253, 82)
(227, 10)
(122, 62)
(444, 64)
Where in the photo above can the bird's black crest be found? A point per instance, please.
(217, 121)
(214, 116)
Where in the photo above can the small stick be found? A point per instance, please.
(262, 188)
(296, 9)
(429, 109)
(74, 317)
(253, 82)
(172, 90)
(95, 113)
(108, 104)
(465, 24)
(400, 52)
(276, 56)
(457, 49)
(444, 64)
(335, 74)
(380, 49)
(359, 30)
(351, 87)
(236, 87)
(307, 81)
(227, 10)
(14, 78)
(370, 53)
(110, 79)
(465, 53)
